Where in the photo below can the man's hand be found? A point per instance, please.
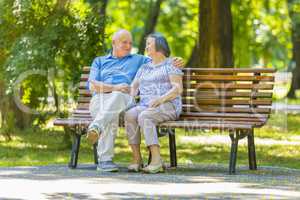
(123, 87)
(155, 103)
(93, 85)
(178, 62)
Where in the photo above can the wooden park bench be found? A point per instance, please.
(235, 100)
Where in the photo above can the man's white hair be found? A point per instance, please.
(120, 32)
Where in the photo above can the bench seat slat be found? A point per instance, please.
(221, 94)
(226, 86)
(173, 124)
(227, 78)
(229, 70)
(72, 122)
(262, 120)
(211, 114)
(202, 108)
(224, 102)
(204, 125)
(86, 69)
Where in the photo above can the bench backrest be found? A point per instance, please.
(232, 94)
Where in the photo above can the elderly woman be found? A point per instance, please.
(159, 84)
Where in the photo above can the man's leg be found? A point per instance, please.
(106, 141)
(96, 106)
(111, 106)
(107, 117)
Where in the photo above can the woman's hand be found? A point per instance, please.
(155, 103)
(178, 62)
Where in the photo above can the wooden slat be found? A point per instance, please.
(79, 111)
(86, 69)
(227, 78)
(84, 99)
(84, 92)
(224, 102)
(221, 94)
(72, 122)
(230, 70)
(220, 119)
(83, 116)
(211, 85)
(199, 114)
(204, 125)
(84, 77)
(192, 108)
(83, 106)
(82, 85)
(225, 115)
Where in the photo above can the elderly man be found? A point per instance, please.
(109, 81)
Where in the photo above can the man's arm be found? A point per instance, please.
(97, 85)
(100, 87)
(178, 62)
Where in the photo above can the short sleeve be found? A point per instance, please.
(140, 71)
(94, 71)
(146, 59)
(172, 70)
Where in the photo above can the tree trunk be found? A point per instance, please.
(194, 60)
(216, 35)
(102, 14)
(296, 48)
(150, 23)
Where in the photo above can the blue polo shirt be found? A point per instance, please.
(112, 70)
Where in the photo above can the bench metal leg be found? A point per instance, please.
(75, 150)
(95, 153)
(172, 147)
(233, 154)
(251, 151)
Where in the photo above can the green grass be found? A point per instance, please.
(43, 147)
(288, 101)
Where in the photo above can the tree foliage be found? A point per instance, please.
(54, 37)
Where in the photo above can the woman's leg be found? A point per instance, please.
(155, 154)
(136, 154)
(148, 121)
(133, 132)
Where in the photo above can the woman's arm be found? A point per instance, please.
(176, 81)
(134, 87)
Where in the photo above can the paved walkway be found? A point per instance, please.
(187, 182)
(284, 107)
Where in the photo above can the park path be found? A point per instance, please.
(284, 107)
(187, 182)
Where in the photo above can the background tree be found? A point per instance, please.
(294, 13)
(215, 35)
(149, 27)
(58, 37)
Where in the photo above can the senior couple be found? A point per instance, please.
(115, 80)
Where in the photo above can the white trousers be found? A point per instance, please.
(105, 109)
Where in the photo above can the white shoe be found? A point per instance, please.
(135, 167)
(153, 169)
